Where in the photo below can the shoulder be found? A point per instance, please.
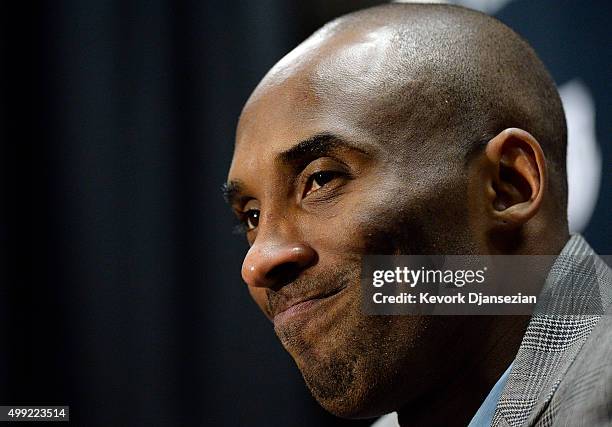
(584, 394)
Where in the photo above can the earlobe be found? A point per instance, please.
(517, 178)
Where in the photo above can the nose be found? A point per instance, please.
(273, 265)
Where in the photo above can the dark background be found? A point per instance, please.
(121, 293)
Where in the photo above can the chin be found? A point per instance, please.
(355, 404)
(355, 365)
(350, 386)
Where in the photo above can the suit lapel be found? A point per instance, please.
(553, 338)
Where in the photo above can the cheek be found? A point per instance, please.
(380, 225)
(349, 229)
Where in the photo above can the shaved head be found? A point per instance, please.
(429, 73)
(400, 129)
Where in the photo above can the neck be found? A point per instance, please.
(455, 401)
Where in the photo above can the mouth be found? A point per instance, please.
(302, 307)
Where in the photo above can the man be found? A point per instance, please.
(416, 129)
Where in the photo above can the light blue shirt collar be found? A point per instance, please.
(484, 415)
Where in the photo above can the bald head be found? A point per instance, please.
(429, 75)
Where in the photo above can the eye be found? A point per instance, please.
(318, 180)
(251, 219)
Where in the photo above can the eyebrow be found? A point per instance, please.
(319, 145)
(231, 191)
(298, 156)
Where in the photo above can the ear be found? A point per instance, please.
(516, 177)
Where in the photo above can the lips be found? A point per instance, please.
(284, 309)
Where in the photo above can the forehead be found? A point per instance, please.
(278, 114)
(330, 84)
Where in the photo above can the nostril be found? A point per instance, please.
(273, 265)
(283, 274)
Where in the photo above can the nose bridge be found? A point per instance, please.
(278, 254)
(275, 227)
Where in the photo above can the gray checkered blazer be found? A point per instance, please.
(562, 373)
